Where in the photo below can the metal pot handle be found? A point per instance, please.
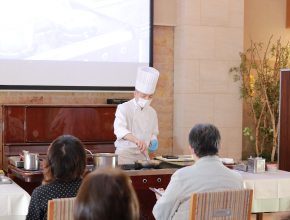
(90, 153)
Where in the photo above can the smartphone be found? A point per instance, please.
(156, 191)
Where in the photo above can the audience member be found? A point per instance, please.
(207, 174)
(106, 194)
(63, 170)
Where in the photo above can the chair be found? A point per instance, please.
(221, 205)
(60, 209)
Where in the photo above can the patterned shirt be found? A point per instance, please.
(39, 199)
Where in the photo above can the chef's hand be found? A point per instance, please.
(157, 195)
(154, 145)
(142, 146)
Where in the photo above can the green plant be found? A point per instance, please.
(260, 86)
(247, 132)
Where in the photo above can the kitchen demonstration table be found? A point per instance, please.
(14, 200)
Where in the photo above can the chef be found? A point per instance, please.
(136, 123)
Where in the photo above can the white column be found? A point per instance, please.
(208, 39)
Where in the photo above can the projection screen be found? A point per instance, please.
(74, 44)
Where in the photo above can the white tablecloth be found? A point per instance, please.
(271, 191)
(13, 200)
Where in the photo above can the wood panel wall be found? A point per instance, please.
(284, 121)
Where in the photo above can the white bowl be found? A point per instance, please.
(272, 169)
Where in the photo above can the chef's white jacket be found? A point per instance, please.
(207, 174)
(143, 124)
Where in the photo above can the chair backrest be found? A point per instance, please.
(60, 209)
(221, 205)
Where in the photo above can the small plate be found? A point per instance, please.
(5, 180)
(272, 168)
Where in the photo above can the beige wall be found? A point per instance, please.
(264, 18)
(163, 99)
(208, 39)
(165, 12)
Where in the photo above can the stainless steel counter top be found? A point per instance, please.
(150, 172)
(129, 169)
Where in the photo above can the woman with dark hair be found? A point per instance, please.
(106, 194)
(63, 168)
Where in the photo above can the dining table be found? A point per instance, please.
(14, 201)
(271, 191)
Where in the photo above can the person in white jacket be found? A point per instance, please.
(136, 123)
(207, 174)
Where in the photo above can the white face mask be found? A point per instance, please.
(143, 103)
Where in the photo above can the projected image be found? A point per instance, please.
(78, 30)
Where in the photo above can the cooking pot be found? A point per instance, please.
(139, 164)
(31, 161)
(104, 160)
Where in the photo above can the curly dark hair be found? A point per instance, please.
(106, 194)
(66, 160)
(205, 140)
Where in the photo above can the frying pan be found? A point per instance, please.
(139, 164)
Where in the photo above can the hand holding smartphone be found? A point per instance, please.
(159, 192)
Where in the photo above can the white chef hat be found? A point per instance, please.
(146, 80)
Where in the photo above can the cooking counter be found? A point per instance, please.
(150, 172)
(129, 169)
(164, 169)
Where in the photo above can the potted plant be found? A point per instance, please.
(259, 73)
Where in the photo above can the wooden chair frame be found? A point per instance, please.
(50, 210)
(193, 204)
